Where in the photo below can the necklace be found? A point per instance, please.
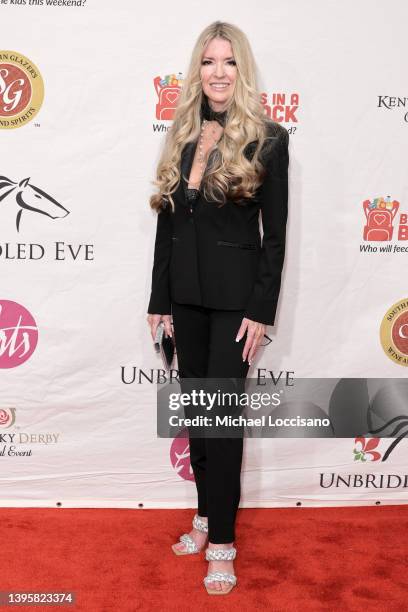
(201, 156)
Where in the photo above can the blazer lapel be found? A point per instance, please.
(187, 156)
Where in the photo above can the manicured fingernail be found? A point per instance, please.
(237, 339)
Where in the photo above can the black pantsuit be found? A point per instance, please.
(206, 348)
(210, 270)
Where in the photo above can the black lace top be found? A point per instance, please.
(192, 194)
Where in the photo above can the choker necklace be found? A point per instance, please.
(211, 115)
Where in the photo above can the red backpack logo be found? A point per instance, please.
(380, 215)
(168, 92)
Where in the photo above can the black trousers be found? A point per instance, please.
(206, 348)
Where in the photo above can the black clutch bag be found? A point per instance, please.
(164, 345)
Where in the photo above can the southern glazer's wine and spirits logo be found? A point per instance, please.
(383, 224)
(21, 90)
(18, 334)
(394, 332)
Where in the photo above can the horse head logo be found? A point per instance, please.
(30, 198)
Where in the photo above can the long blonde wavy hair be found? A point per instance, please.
(229, 174)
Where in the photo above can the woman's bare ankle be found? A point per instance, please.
(214, 545)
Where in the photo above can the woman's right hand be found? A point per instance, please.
(154, 320)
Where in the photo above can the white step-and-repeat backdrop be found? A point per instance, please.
(87, 93)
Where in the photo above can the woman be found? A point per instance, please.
(223, 162)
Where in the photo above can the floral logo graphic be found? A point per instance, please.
(7, 417)
(366, 449)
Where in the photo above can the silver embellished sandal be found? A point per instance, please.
(190, 546)
(220, 554)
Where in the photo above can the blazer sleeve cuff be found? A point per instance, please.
(262, 311)
(159, 303)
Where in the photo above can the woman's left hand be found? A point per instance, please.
(255, 333)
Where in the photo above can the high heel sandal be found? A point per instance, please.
(190, 546)
(220, 554)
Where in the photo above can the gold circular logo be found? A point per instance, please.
(21, 90)
(394, 333)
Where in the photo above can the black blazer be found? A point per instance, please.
(213, 256)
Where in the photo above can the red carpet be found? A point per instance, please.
(288, 559)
